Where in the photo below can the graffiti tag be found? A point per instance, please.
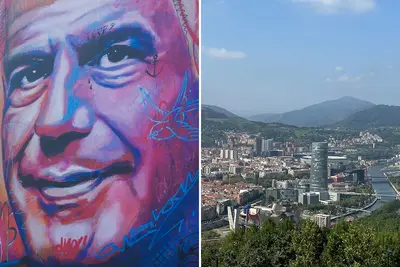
(71, 246)
(100, 31)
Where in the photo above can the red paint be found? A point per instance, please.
(71, 246)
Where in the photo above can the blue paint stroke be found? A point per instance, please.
(137, 234)
(173, 123)
(11, 263)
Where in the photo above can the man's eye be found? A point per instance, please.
(117, 54)
(32, 75)
(28, 77)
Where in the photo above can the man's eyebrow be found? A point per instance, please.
(145, 41)
(30, 58)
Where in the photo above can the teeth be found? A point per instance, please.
(57, 192)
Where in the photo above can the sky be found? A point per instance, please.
(270, 56)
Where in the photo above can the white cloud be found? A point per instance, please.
(222, 53)
(328, 80)
(390, 67)
(372, 74)
(343, 78)
(333, 6)
(358, 78)
(346, 78)
(339, 69)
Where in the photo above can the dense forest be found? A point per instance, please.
(371, 241)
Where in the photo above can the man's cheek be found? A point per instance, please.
(18, 126)
(14, 135)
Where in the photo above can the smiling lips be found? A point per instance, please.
(70, 192)
(75, 184)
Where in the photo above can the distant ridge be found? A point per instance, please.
(210, 108)
(377, 116)
(325, 113)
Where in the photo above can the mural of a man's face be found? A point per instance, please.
(79, 160)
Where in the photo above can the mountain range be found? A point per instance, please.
(345, 112)
(325, 113)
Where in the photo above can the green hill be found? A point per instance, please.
(375, 117)
(214, 124)
(217, 111)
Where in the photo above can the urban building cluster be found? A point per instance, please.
(364, 138)
(217, 195)
(230, 172)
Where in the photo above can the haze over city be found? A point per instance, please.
(281, 55)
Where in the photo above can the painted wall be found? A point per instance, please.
(99, 132)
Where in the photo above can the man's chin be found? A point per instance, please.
(58, 242)
(80, 241)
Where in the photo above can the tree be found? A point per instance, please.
(371, 241)
(230, 248)
(209, 249)
(334, 249)
(308, 244)
(360, 248)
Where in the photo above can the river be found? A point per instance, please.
(381, 187)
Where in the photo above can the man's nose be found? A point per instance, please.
(62, 113)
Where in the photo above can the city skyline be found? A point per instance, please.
(322, 51)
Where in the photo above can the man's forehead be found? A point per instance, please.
(18, 7)
(21, 16)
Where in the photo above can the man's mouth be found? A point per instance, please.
(76, 184)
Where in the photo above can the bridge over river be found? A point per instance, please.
(377, 179)
(383, 190)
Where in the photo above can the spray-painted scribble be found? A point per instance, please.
(99, 132)
(173, 123)
(157, 228)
